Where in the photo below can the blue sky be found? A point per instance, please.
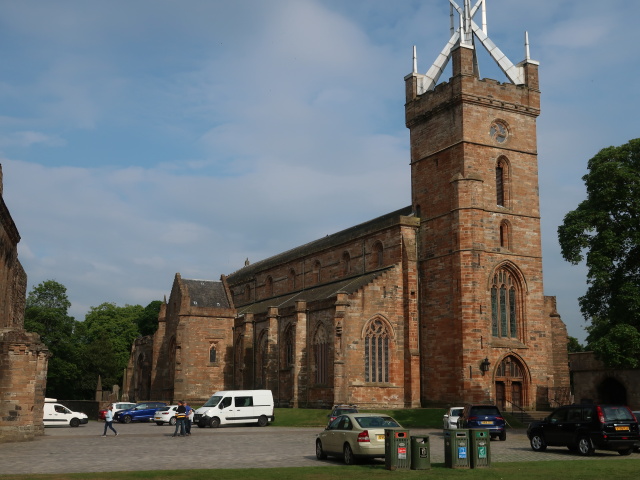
(142, 138)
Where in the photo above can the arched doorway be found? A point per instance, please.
(511, 384)
(611, 390)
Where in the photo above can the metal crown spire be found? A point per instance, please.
(463, 36)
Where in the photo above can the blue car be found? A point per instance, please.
(142, 412)
(485, 417)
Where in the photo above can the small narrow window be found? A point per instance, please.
(212, 354)
(346, 263)
(268, 284)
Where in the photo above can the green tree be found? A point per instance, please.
(46, 314)
(573, 345)
(109, 333)
(148, 320)
(604, 230)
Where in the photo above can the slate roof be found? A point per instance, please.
(321, 292)
(206, 293)
(388, 220)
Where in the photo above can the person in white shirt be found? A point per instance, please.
(108, 421)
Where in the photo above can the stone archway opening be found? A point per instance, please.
(511, 384)
(612, 391)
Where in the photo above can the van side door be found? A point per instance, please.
(244, 409)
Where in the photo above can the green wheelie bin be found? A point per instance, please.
(397, 450)
(456, 448)
(420, 453)
(480, 448)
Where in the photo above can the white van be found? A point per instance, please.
(57, 414)
(236, 406)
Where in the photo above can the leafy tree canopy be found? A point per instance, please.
(46, 314)
(573, 345)
(604, 231)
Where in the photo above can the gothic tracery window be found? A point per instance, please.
(504, 305)
(376, 351)
(321, 355)
(289, 347)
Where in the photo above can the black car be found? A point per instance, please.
(341, 410)
(585, 428)
(485, 417)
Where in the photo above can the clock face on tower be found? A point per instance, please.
(498, 132)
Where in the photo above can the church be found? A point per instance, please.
(440, 302)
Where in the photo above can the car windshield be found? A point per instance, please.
(376, 422)
(617, 413)
(213, 401)
(162, 409)
(456, 412)
(485, 410)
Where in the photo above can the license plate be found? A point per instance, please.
(486, 423)
(381, 437)
(624, 428)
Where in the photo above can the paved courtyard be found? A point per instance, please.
(146, 446)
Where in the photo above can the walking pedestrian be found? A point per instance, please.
(181, 416)
(189, 419)
(108, 421)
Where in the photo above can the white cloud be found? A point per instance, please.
(146, 138)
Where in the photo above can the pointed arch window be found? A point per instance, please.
(289, 347)
(321, 356)
(376, 351)
(213, 354)
(504, 305)
(262, 361)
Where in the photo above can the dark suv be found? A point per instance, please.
(341, 409)
(142, 412)
(584, 428)
(485, 417)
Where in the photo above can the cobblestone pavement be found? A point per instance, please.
(146, 446)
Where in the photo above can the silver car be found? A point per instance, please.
(450, 419)
(354, 436)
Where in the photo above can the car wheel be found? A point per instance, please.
(172, 421)
(320, 455)
(349, 458)
(625, 451)
(215, 422)
(537, 443)
(503, 436)
(74, 422)
(127, 419)
(262, 421)
(585, 447)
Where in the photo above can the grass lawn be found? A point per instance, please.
(408, 418)
(576, 469)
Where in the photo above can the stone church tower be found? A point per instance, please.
(437, 303)
(486, 330)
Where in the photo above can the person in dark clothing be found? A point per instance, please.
(181, 415)
(189, 418)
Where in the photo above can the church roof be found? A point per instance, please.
(310, 248)
(321, 292)
(206, 293)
